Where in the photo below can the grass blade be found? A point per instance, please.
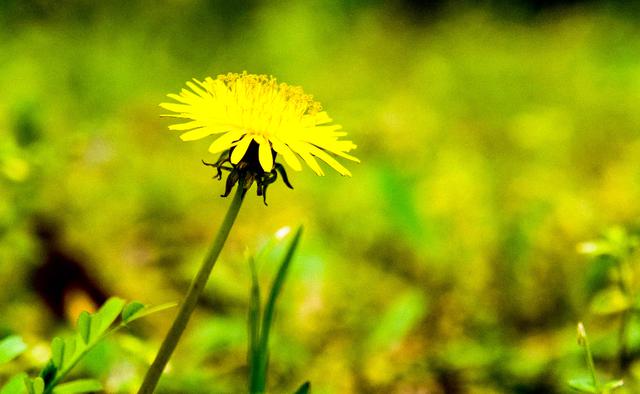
(132, 315)
(78, 386)
(254, 322)
(305, 388)
(259, 382)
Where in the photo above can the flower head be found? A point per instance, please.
(256, 118)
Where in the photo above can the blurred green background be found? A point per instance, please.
(493, 140)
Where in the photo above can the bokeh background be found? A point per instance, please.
(494, 138)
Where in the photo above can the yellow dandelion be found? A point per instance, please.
(254, 115)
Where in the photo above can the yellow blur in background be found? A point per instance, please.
(492, 140)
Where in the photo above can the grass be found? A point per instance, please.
(491, 147)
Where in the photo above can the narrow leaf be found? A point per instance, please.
(84, 326)
(259, 383)
(38, 385)
(78, 386)
(49, 372)
(10, 348)
(57, 352)
(151, 310)
(28, 383)
(253, 321)
(304, 389)
(583, 385)
(15, 385)
(612, 385)
(131, 309)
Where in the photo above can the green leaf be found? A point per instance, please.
(38, 385)
(65, 354)
(394, 324)
(49, 372)
(131, 309)
(610, 301)
(108, 313)
(612, 385)
(583, 385)
(69, 350)
(305, 388)
(10, 348)
(84, 326)
(78, 386)
(258, 382)
(15, 385)
(146, 311)
(95, 330)
(57, 352)
(28, 383)
(253, 321)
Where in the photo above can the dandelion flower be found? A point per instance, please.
(255, 119)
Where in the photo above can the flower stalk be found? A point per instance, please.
(583, 341)
(193, 295)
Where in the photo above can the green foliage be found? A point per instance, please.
(35, 386)
(620, 294)
(592, 384)
(490, 147)
(396, 322)
(137, 310)
(66, 353)
(305, 388)
(619, 297)
(11, 347)
(78, 386)
(260, 323)
(17, 384)
(585, 385)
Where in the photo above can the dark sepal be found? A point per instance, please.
(280, 168)
(232, 179)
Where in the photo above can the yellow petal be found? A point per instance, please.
(186, 126)
(312, 163)
(203, 132)
(264, 154)
(241, 149)
(196, 89)
(336, 147)
(225, 141)
(189, 95)
(181, 116)
(345, 155)
(288, 155)
(302, 150)
(323, 117)
(183, 99)
(324, 156)
(182, 108)
(196, 134)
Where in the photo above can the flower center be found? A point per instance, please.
(263, 106)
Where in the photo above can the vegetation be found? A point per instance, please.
(456, 259)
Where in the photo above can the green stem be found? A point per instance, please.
(63, 373)
(189, 304)
(624, 284)
(622, 341)
(592, 367)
